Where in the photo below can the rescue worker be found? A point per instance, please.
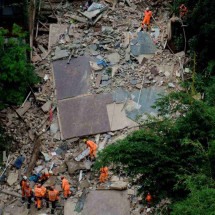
(147, 18)
(103, 174)
(66, 187)
(28, 194)
(92, 146)
(149, 199)
(23, 183)
(53, 196)
(183, 10)
(45, 176)
(39, 193)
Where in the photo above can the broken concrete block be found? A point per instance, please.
(113, 58)
(21, 111)
(73, 166)
(130, 192)
(119, 185)
(114, 178)
(84, 184)
(47, 157)
(94, 66)
(60, 54)
(12, 178)
(82, 155)
(54, 128)
(47, 106)
(171, 85)
(51, 181)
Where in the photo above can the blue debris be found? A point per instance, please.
(34, 178)
(19, 161)
(102, 63)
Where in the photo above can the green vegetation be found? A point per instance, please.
(16, 73)
(174, 156)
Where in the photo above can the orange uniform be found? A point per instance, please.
(149, 198)
(53, 195)
(147, 17)
(23, 186)
(92, 147)
(66, 188)
(44, 176)
(28, 192)
(103, 174)
(183, 10)
(39, 193)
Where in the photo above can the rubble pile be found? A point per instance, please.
(108, 35)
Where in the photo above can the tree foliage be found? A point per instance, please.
(201, 199)
(16, 73)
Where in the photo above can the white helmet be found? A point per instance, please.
(147, 8)
(50, 172)
(25, 177)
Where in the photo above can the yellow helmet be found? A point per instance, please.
(85, 140)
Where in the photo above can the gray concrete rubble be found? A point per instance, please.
(99, 78)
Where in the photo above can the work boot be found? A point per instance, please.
(23, 199)
(28, 206)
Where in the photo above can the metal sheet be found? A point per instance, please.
(84, 115)
(71, 79)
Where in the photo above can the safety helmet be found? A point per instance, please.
(50, 172)
(147, 8)
(85, 140)
(25, 177)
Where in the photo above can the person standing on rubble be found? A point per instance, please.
(183, 10)
(149, 199)
(93, 147)
(28, 194)
(66, 187)
(103, 174)
(39, 193)
(23, 183)
(53, 196)
(147, 19)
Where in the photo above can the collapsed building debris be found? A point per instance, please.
(101, 74)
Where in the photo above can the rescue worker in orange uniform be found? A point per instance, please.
(28, 194)
(23, 183)
(149, 199)
(53, 196)
(45, 176)
(66, 187)
(92, 146)
(103, 174)
(39, 193)
(147, 18)
(183, 10)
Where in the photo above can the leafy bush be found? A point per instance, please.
(16, 73)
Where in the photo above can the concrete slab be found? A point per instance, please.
(84, 115)
(142, 102)
(106, 202)
(143, 44)
(69, 207)
(117, 116)
(71, 79)
(55, 30)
